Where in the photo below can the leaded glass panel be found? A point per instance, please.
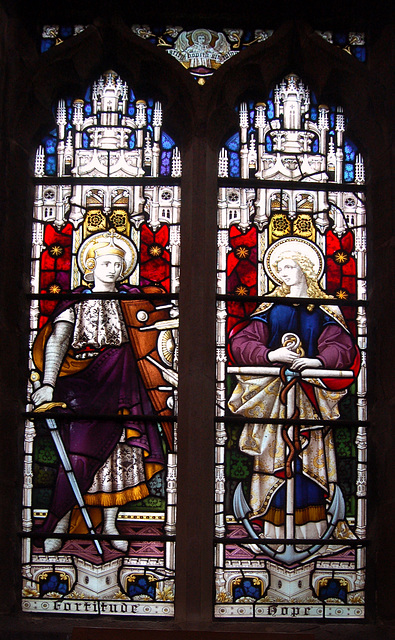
(100, 442)
(291, 363)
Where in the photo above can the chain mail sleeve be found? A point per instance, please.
(55, 350)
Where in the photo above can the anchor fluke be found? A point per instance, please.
(337, 508)
(240, 505)
(289, 555)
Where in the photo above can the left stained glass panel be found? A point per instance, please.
(99, 501)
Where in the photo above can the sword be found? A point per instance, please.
(65, 460)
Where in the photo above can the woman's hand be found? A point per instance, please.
(284, 355)
(305, 363)
(42, 395)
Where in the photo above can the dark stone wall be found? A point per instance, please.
(200, 118)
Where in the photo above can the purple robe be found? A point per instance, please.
(331, 344)
(110, 383)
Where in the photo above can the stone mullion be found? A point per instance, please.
(194, 547)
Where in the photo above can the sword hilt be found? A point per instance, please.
(46, 406)
(35, 379)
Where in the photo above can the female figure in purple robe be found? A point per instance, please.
(88, 363)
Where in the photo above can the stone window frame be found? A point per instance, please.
(207, 116)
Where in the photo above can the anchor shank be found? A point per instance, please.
(290, 482)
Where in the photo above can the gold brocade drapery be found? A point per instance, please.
(259, 397)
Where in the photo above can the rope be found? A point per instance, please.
(294, 447)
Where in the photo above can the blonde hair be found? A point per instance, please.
(99, 249)
(313, 288)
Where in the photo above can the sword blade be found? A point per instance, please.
(72, 479)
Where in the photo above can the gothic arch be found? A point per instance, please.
(194, 116)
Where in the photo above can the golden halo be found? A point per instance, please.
(115, 241)
(198, 32)
(294, 245)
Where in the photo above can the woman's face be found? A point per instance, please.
(108, 268)
(290, 272)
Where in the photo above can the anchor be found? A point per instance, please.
(336, 511)
(289, 555)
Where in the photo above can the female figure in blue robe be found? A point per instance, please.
(296, 337)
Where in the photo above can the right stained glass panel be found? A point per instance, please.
(291, 363)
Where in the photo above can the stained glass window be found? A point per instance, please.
(100, 439)
(55, 34)
(290, 487)
(201, 51)
(351, 42)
